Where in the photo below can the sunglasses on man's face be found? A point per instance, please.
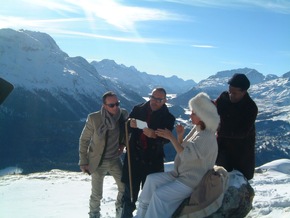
(113, 104)
(159, 100)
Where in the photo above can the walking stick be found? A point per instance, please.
(129, 159)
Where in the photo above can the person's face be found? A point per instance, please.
(157, 100)
(236, 94)
(194, 118)
(112, 105)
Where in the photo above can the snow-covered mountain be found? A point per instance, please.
(42, 118)
(141, 82)
(272, 96)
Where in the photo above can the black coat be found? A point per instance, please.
(150, 160)
(237, 134)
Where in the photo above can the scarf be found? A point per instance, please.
(108, 121)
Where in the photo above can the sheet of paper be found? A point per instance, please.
(141, 124)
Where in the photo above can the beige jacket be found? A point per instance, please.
(199, 155)
(91, 146)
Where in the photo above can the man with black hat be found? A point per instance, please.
(236, 134)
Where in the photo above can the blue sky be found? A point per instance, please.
(192, 39)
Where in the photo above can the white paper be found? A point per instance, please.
(141, 124)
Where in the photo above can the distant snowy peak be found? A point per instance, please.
(133, 78)
(286, 75)
(30, 40)
(270, 77)
(219, 81)
(33, 60)
(110, 68)
(253, 75)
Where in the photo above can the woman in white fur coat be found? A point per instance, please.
(196, 154)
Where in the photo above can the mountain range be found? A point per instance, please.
(41, 120)
(141, 82)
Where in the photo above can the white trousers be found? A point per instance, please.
(161, 196)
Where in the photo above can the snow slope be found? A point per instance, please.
(61, 194)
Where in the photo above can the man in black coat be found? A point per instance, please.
(236, 134)
(146, 149)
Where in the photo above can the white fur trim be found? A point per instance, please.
(205, 109)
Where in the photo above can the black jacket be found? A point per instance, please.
(237, 119)
(236, 134)
(150, 160)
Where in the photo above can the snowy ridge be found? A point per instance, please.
(141, 82)
(276, 93)
(281, 165)
(34, 61)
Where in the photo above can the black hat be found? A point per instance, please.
(239, 81)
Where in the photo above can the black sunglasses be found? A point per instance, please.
(159, 100)
(113, 104)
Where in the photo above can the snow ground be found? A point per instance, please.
(61, 194)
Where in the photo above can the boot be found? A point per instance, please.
(127, 211)
(119, 211)
(95, 215)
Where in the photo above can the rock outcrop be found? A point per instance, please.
(236, 203)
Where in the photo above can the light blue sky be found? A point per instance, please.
(192, 39)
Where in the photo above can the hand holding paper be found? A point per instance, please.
(141, 124)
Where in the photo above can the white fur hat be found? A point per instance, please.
(205, 109)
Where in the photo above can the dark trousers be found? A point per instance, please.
(236, 156)
(128, 205)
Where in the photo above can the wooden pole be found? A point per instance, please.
(129, 159)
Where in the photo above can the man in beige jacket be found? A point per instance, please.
(101, 144)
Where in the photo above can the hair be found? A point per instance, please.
(108, 94)
(202, 125)
(160, 89)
